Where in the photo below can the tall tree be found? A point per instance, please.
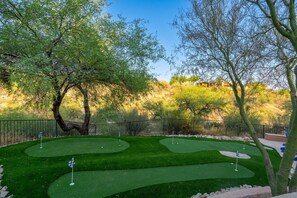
(215, 37)
(199, 101)
(282, 16)
(55, 46)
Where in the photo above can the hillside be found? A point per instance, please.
(180, 100)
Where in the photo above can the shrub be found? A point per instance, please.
(134, 122)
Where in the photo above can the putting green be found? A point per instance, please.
(181, 145)
(73, 146)
(104, 183)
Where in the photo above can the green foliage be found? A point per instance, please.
(17, 114)
(183, 79)
(107, 114)
(173, 125)
(53, 47)
(134, 122)
(200, 101)
(71, 114)
(233, 123)
(155, 108)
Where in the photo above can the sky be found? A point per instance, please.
(160, 15)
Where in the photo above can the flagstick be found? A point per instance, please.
(72, 183)
(236, 164)
(237, 156)
(119, 138)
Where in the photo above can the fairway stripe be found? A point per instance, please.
(105, 183)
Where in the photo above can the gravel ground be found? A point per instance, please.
(3, 189)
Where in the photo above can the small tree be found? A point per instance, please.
(216, 39)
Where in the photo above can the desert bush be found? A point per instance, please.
(134, 122)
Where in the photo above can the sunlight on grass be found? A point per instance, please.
(104, 183)
(180, 145)
(73, 146)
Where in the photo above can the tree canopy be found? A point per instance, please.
(51, 47)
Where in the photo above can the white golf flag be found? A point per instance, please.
(71, 163)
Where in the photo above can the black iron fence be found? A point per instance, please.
(15, 131)
(184, 126)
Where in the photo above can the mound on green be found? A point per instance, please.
(104, 183)
(181, 145)
(73, 146)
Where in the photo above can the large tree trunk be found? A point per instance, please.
(82, 129)
(293, 138)
(240, 100)
(286, 163)
(268, 165)
(85, 126)
(293, 121)
(58, 117)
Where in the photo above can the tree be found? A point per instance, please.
(282, 16)
(199, 101)
(216, 39)
(56, 46)
(183, 79)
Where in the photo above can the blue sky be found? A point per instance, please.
(160, 15)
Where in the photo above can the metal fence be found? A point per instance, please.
(183, 126)
(15, 131)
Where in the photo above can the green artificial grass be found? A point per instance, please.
(181, 145)
(74, 146)
(105, 183)
(28, 176)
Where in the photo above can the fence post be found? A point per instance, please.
(263, 131)
(56, 128)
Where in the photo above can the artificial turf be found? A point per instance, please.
(28, 176)
(74, 146)
(181, 145)
(105, 183)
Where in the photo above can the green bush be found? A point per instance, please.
(17, 114)
(233, 123)
(134, 122)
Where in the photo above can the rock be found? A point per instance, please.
(3, 194)
(247, 186)
(4, 188)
